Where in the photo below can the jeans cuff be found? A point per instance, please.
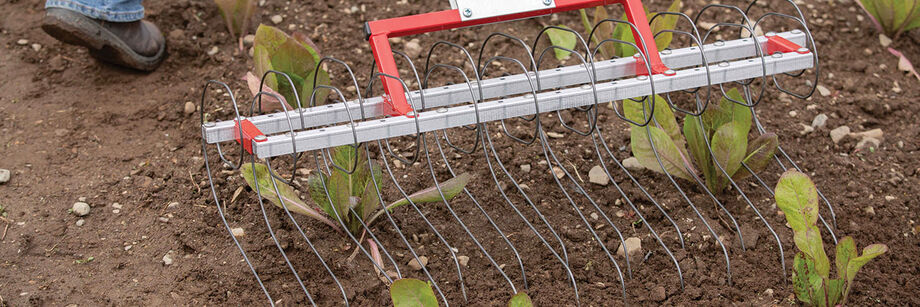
(97, 13)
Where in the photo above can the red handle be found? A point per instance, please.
(380, 31)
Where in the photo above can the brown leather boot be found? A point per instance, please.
(139, 44)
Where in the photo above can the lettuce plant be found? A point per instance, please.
(295, 55)
(624, 32)
(725, 126)
(797, 197)
(410, 292)
(236, 14)
(893, 17)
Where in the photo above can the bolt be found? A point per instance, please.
(770, 34)
(260, 138)
(719, 43)
(803, 50)
(547, 2)
(666, 52)
(442, 110)
(670, 72)
(777, 55)
(410, 114)
(642, 78)
(209, 124)
(724, 64)
(467, 12)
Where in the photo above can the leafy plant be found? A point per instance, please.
(520, 299)
(236, 14)
(725, 126)
(797, 197)
(893, 17)
(295, 55)
(563, 39)
(623, 32)
(409, 292)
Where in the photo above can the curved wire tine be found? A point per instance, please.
(814, 52)
(478, 128)
(352, 124)
(529, 52)
(376, 77)
(271, 232)
(475, 100)
(564, 259)
(830, 208)
(220, 211)
(641, 56)
(236, 109)
(502, 121)
(633, 206)
(415, 155)
(591, 111)
(696, 38)
(757, 48)
(351, 73)
(258, 97)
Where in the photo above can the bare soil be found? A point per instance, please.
(73, 129)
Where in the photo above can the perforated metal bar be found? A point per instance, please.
(453, 117)
(494, 88)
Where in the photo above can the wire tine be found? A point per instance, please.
(418, 144)
(640, 55)
(220, 211)
(236, 109)
(695, 38)
(814, 52)
(591, 110)
(533, 66)
(475, 99)
(374, 78)
(751, 31)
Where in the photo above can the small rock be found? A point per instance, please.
(768, 292)
(238, 232)
(597, 176)
(168, 258)
(558, 172)
(793, 113)
(884, 40)
(163, 219)
(190, 107)
(214, 50)
(823, 91)
(464, 260)
(57, 63)
(901, 144)
(4, 175)
(633, 245)
(874, 133)
(292, 27)
(172, 205)
(839, 133)
(22, 42)
(277, 19)
(657, 294)
(414, 263)
(128, 247)
(80, 209)
(525, 168)
(868, 142)
(890, 198)
(554, 135)
(116, 205)
(413, 49)
(249, 39)
(820, 121)
(37, 47)
(80, 222)
(806, 129)
(870, 210)
(620, 213)
(594, 216)
(632, 164)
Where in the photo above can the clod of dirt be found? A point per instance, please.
(597, 176)
(525, 168)
(839, 133)
(413, 49)
(80, 222)
(415, 265)
(4, 175)
(633, 245)
(57, 63)
(238, 232)
(464, 260)
(80, 209)
(190, 107)
(868, 142)
(657, 294)
(632, 164)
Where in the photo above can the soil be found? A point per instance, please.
(74, 129)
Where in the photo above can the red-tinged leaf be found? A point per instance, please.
(269, 102)
(294, 56)
(236, 14)
(760, 153)
(266, 186)
(375, 254)
(904, 64)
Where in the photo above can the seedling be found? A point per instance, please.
(797, 197)
(520, 300)
(893, 17)
(84, 261)
(723, 127)
(409, 292)
(236, 14)
(294, 55)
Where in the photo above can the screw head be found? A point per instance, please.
(547, 2)
(642, 78)
(803, 50)
(724, 64)
(467, 12)
(666, 52)
(260, 138)
(719, 43)
(670, 72)
(770, 34)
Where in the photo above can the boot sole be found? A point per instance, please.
(73, 28)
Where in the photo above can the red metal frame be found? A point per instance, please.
(380, 31)
(250, 132)
(775, 44)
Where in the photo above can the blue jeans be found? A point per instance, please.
(108, 10)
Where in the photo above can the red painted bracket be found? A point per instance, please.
(250, 134)
(776, 43)
(379, 32)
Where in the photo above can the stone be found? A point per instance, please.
(37, 47)
(890, 198)
(884, 40)
(657, 294)
(823, 91)
(172, 205)
(277, 19)
(22, 42)
(464, 260)
(4, 175)
(249, 39)
(80, 208)
(57, 63)
(632, 164)
(163, 219)
(80, 222)
(190, 107)
(525, 168)
(874, 133)
(868, 142)
(806, 129)
(793, 113)
(633, 245)
(238, 232)
(415, 265)
(168, 258)
(594, 216)
(597, 176)
(768, 292)
(558, 172)
(839, 133)
(214, 50)
(117, 205)
(554, 135)
(820, 121)
(413, 48)
(870, 210)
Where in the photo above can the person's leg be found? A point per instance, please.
(111, 10)
(112, 30)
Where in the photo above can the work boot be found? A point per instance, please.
(137, 44)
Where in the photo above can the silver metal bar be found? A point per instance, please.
(445, 118)
(493, 88)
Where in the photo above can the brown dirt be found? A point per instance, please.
(73, 128)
